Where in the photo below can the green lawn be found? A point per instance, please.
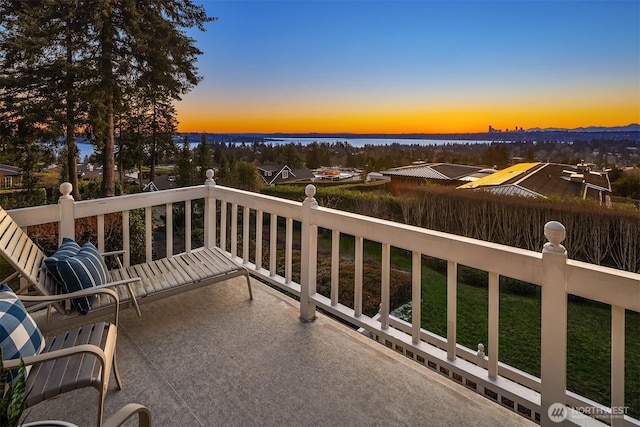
(588, 330)
(589, 323)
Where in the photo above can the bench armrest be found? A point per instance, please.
(47, 301)
(113, 253)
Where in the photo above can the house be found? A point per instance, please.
(149, 187)
(337, 174)
(547, 180)
(443, 173)
(89, 171)
(10, 176)
(376, 176)
(160, 182)
(280, 174)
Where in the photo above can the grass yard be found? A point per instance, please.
(588, 335)
(588, 330)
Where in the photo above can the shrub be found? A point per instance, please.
(17, 198)
(473, 276)
(518, 287)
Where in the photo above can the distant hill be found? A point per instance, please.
(634, 127)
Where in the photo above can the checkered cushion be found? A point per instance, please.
(19, 334)
(67, 249)
(84, 270)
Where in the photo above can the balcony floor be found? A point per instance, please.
(211, 357)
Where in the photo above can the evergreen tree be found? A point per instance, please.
(144, 41)
(79, 57)
(204, 157)
(184, 165)
(312, 160)
(43, 62)
(247, 176)
(496, 155)
(530, 156)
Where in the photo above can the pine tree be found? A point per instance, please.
(184, 165)
(204, 158)
(71, 61)
(42, 54)
(144, 41)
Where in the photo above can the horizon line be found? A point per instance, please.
(495, 131)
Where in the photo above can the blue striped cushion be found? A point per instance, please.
(84, 270)
(67, 249)
(19, 334)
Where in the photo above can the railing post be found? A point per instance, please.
(66, 225)
(209, 212)
(308, 255)
(553, 365)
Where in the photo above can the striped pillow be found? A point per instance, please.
(67, 249)
(84, 270)
(19, 334)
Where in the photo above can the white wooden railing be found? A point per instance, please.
(229, 213)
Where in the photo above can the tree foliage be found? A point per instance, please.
(46, 70)
(184, 172)
(627, 185)
(496, 156)
(70, 66)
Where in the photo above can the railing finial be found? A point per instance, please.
(209, 181)
(555, 234)
(310, 191)
(65, 190)
(480, 350)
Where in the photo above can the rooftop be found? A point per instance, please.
(544, 180)
(442, 171)
(213, 357)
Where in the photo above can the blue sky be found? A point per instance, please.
(415, 66)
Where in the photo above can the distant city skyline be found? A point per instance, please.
(415, 66)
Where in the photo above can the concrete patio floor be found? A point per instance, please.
(212, 357)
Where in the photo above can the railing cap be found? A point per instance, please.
(65, 189)
(310, 191)
(209, 181)
(555, 234)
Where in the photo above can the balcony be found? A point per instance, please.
(212, 357)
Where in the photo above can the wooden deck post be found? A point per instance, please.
(553, 365)
(66, 225)
(308, 255)
(210, 212)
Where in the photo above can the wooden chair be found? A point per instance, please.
(73, 359)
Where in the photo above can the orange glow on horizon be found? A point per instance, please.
(365, 119)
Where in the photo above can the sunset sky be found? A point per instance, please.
(415, 66)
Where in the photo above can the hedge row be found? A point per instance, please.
(18, 198)
(595, 233)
